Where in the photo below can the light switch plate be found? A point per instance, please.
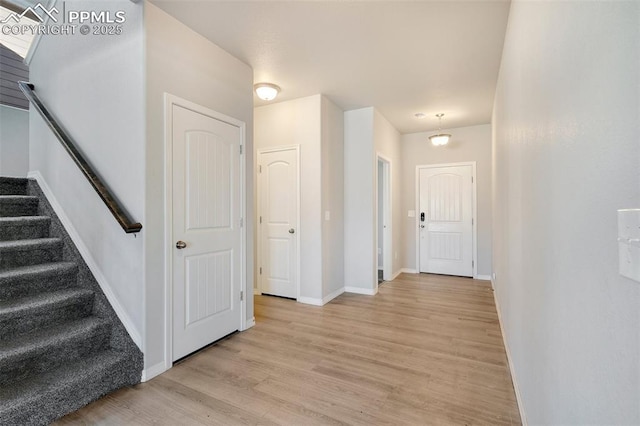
(629, 243)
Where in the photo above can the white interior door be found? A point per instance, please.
(445, 220)
(278, 222)
(206, 230)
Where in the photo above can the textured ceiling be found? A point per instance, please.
(401, 57)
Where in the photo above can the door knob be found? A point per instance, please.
(292, 231)
(180, 245)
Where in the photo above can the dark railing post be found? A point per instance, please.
(103, 191)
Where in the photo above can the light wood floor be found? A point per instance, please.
(426, 350)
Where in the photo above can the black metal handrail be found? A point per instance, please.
(116, 209)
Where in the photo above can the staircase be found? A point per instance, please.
(61, 344)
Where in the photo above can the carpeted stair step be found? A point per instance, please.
(24, 227)
(33, 279)
(48, 348)
(18, 205)
(45, 397)
(47, 309)
(14, 254)
(13, 186)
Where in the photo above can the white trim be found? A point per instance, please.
(310, 301)
(394, 276)
(409, 271)
(360, 290)
(257, 292)
(251, 323)
(36, 39)
(474, 206)
(329, 297)
(321, 302)
(153, 371)
(169, 101)
(16, 108)
(87, 257)
(482, 277)
(259, 213)
(523, 417)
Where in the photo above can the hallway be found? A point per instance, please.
(426, 350)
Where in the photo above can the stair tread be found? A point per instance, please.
(42, 268)
(11, 220)
(28, 244)
(50, 299)
(74, 373)
(50, 336)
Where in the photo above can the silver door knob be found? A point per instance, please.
(292, 231)
(180, 245)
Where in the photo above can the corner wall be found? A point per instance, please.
(566, 150)
(471, 143)
(332, 199)
(183, 63)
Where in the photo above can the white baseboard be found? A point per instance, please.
(257, 292)
(359, 290)
(321, 302)
(86, 256)
(408, 271)
(329, 297)
(310, 301)
(516, 388)
(394, 276)
(153, 371)
(482, 277)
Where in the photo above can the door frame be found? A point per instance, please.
(259, 152)
(474, 211)
(387, 199)
(169, 101)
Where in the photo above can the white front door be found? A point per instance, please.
(445, 220)
(206, 229)
(278, 222)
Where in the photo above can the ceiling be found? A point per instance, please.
(401, 57)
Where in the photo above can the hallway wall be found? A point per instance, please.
(566, 155)
(471, 143)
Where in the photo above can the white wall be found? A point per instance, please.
(359, 207)
(14, 141)
(366, 135)
(387, 143)
(94, 85)
(471, 143)
(298, 122)
(332, 198)
(566, 157)
(181, 62)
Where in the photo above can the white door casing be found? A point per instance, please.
(278, 221)
(446, 233)
(206, 214)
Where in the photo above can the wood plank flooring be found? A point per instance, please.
(426, 350)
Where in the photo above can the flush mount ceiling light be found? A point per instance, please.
(266, 91)
(441, 138)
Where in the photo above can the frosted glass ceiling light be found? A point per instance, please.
(266, 91)
(441, 138)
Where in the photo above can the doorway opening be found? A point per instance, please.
(384, 259)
